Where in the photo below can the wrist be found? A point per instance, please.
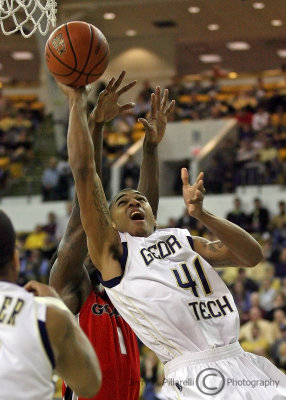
(149, 147)
(96, 117)
(78, 100)
(95, 120)
(199, 214)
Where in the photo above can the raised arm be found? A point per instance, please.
(155, 128)
(68, 274)
(234, 245)
(103, 240)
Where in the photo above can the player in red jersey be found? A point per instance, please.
(111, 337)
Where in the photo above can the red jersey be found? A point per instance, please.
(116, 348)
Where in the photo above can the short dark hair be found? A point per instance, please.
(7, 240)
(121, 191)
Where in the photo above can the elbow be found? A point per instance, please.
(92, 388)
(256, 256)
(82, 168)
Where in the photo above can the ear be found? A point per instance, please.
(16, 261)
(155, 223)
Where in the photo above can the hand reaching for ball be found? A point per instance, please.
(107, 106)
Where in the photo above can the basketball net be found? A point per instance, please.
(27, 16)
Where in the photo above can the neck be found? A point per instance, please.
(8, 276)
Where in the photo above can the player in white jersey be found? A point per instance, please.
(38, 335)
(163, 282)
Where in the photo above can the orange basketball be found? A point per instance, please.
(77, 53)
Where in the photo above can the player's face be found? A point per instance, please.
(132, 213)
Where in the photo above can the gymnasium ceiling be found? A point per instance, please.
(238, 20)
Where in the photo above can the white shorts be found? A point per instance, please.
(223, 373)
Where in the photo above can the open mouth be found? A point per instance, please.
(136, 215)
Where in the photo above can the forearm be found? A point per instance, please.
(96, 132)
(239, 242)
(79, 142)
(149, 175)
(68, 270)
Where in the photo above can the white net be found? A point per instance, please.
(27, 16)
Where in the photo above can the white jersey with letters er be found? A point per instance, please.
(25, 366)
(171, 297)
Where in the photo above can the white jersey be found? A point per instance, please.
(171, 297)
(25, 353)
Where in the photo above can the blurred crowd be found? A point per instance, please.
(256, 156)
(19, 117)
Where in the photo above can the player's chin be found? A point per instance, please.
(137, 228)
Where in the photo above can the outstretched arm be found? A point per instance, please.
(68, 274)
(234, 245)
(105, 248)
(155, 128)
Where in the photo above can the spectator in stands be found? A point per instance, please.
(278, 303)
(279, 220)
(280, 266)
(260, 119)
(279, 318)
(176, 88)
(257, 342)
(266, 294)
(146, 91)
(62, 222)
(283, 287)
(177, 186)
(245, 132)
(186, 221)
(247, 282)
(277, 350)
(237, 215)
(37, 239)
(244, 101)
(51, 225)
(65, 178)
(265, 326)
(4, 103)
(130, 170)
(213, 176)
(35, 266)
(4, 179)
(245, 154)
(241, 298)
(269, 157)
(255, 303)
(152, 374)
(50, 181)
(259, 89)
(259, 217)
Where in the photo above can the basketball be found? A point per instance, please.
(77, 53)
